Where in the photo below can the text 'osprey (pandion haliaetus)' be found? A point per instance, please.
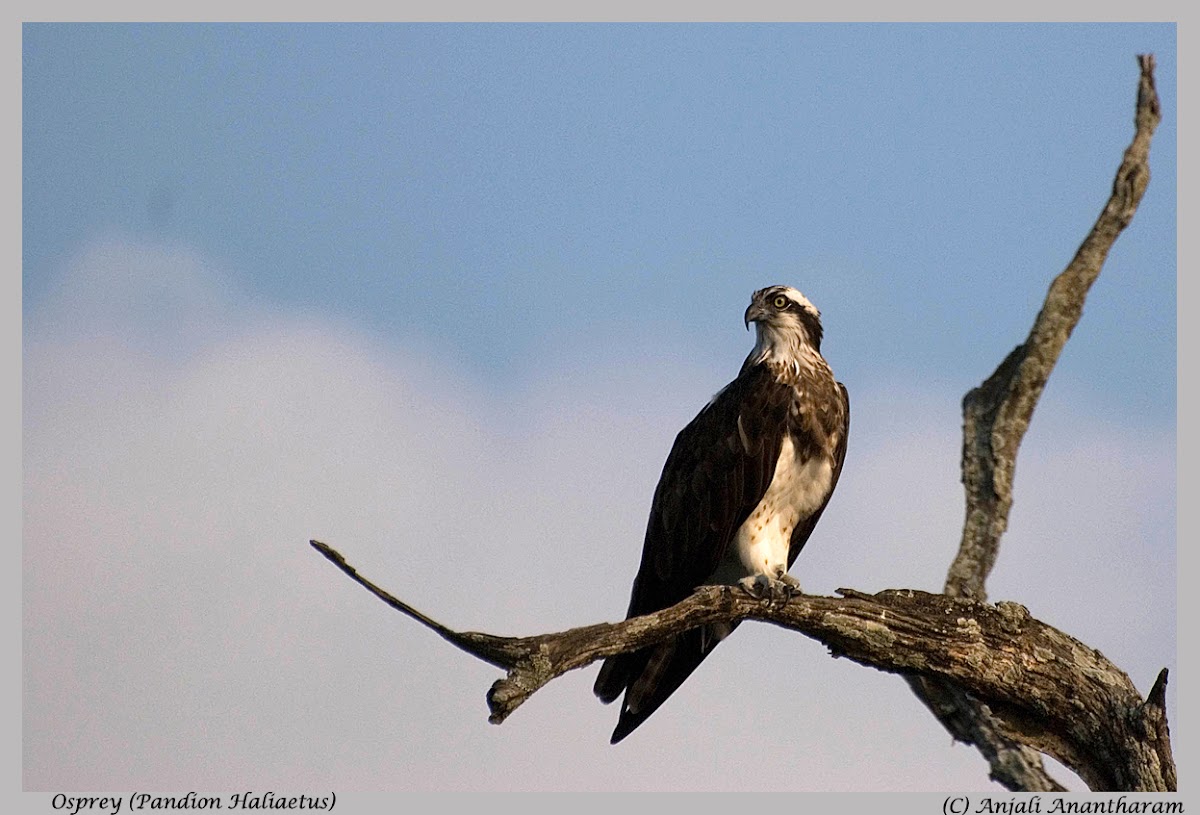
(742, 489)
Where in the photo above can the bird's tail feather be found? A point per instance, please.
(651, 675)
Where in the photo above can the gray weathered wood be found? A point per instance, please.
(995, 417)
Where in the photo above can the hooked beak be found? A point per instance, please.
(754, 313)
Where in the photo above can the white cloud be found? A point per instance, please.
(179, 633)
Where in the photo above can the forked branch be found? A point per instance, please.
(1083, 709)
(995, 417)
(993, 675)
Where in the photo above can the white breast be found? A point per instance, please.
(797, 490)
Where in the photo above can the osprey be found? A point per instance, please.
(742, 489)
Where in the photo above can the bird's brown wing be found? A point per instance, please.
(842, 424)
(717, 472)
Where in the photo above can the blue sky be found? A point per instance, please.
(372, 171)
(441, 295)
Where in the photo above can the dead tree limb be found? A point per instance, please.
(997, 413)
(993, 675)
(995, 417)
(1066, 697)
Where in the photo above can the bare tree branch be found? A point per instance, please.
(1041, 682)
(996, 414)
(994, 676)
(995, 417)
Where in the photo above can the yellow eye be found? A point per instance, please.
(780, 301)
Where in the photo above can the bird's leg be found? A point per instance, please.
(793, 585)
(774, 590)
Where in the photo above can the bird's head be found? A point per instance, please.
(784, 318)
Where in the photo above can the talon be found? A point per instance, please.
(756, 586)
(781, 593)
(772, 591)
(792, 584)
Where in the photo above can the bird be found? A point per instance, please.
(742, 489)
